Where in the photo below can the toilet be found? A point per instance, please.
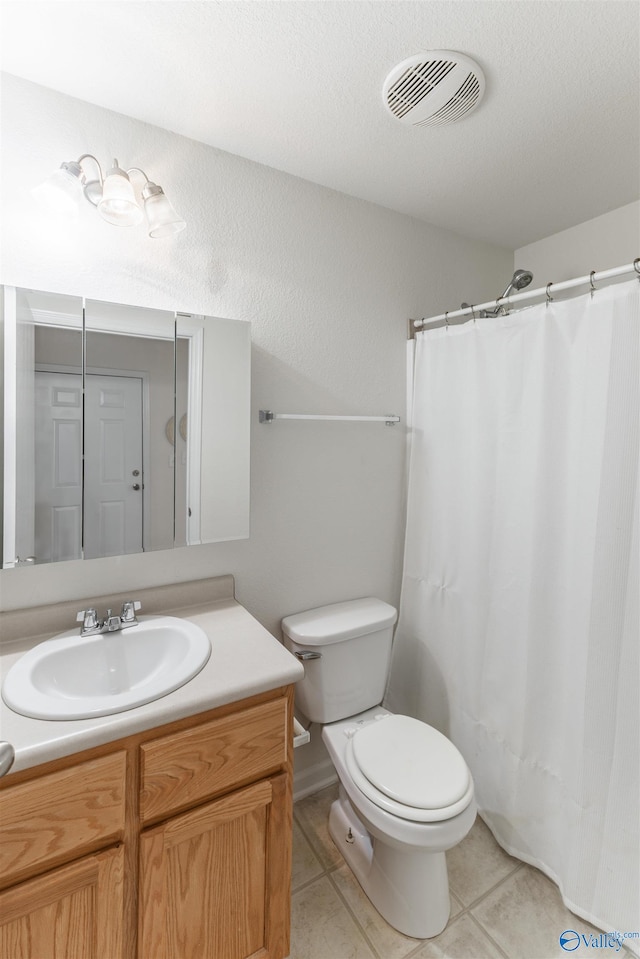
(405, 793)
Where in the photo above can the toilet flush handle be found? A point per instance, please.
(305, 654)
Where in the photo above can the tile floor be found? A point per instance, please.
(500, 907)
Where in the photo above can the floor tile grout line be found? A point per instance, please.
(315, 856)
(315, 849)
(326, 874)
(486, 932)
(466, 910)
(421, 942)
(359, 925)
(476, 902)
(453, 922)
(308, 882)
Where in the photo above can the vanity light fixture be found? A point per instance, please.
(114, 196)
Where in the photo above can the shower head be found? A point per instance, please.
(519, 280)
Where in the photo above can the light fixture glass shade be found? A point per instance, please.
(161, 217)
(62, 191)
(118, 204)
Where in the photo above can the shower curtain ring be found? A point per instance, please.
(446, 320)
(636, 266)
(473, 312)
(593, 287)
(549, 297)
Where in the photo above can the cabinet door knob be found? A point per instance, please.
(136, 486)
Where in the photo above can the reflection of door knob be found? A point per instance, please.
(136, 486)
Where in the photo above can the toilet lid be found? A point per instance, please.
(411, 762)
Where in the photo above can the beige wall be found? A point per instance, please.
(603, 243)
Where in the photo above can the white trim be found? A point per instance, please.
(313, 779)
(9, 499)
(191, 328)
(63, 321)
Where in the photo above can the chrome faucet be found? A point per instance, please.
(91, 625)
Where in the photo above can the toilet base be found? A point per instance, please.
(408, 887)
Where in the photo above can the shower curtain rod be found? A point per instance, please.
(416, 325)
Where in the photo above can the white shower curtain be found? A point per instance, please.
(518, 633)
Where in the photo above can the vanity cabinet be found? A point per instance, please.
(170, 844)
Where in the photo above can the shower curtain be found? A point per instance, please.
(518, 631)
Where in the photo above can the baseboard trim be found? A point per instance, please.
(313, 779)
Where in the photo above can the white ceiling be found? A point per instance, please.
(297, 85)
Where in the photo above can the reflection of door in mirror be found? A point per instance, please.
(113, 505)
(113, 460)
(58, 466)
(52, 407)
(122, 352)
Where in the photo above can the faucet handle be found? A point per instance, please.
(88, 618)
(129, 609)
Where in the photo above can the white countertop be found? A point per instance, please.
(245, 660)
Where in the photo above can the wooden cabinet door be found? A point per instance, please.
(75, 912)
(215, 881)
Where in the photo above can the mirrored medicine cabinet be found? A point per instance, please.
(125, 429)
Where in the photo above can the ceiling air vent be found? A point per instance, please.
(435, 87)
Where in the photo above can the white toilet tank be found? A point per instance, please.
(348, 647)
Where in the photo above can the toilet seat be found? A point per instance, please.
(409, 769)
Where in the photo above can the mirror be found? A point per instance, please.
(126, 429)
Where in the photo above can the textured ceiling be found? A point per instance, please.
(297, 85)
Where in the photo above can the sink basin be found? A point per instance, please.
(74, 677)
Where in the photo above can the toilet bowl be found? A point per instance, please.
(406, 793)
(395, 850)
